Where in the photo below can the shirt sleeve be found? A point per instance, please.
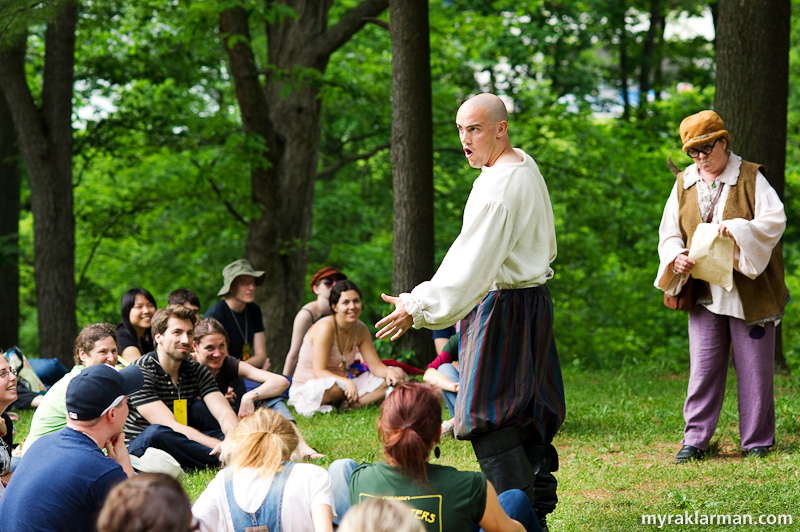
(670, 245)
(205, 382)
(467, 272)
(147, 393)
(208, 507)
(756, 238)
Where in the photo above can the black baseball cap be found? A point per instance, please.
(98, 388)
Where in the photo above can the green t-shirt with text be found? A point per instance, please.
(453, 501)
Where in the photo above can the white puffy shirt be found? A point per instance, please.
(507, 241)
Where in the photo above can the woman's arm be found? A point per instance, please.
(131, 353)
(302, 322)
(392, 375)
(322, 517)
(494, 517)
(272, 386)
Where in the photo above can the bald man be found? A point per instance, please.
(511, 395)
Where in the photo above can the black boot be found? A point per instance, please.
(504, 462)
(546, 459)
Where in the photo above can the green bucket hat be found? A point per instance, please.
(234, 270)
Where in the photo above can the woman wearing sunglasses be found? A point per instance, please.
(321, 283)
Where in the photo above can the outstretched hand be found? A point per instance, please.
(395, 324)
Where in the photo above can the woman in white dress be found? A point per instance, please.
(323, 377)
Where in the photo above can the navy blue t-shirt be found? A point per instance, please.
(59, 486)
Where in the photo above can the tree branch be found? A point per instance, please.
(378, 22)
(325, 173)
(349, 24)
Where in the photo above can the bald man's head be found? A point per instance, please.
(493, 105)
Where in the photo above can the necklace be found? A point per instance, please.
(236, 321)
(347, 347)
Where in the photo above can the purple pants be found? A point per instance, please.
(711, 337)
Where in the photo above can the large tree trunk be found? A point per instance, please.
(647, 61)
(412, 158)
(10, 176)
(45, 140)
(752, 46)
(287, 118)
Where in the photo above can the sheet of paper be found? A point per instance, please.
(714, 256)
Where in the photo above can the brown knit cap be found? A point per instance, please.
(702, 128)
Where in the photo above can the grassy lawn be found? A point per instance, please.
(617, 448)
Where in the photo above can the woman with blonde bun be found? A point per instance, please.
(260, 486)
(380, 515)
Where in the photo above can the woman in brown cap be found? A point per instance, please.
(321, 283)
(722, 189)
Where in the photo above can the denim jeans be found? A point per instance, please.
(340, 471)
(449, 371)
(517, 506)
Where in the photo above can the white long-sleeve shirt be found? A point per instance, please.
(754, 238)
(507, 241)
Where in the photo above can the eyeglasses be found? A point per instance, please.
(5, 372)
(694, 153)
(330, 281)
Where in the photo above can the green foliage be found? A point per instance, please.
(162, 191)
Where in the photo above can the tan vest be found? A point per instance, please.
(763, 298)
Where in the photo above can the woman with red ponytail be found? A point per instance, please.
(441, 497)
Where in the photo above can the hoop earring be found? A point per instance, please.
(436, 452)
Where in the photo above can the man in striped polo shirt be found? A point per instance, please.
(161, 413)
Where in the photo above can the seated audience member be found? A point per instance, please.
(211, 350)
(150, 502)
(133, 333)
(30, 388)
(443, 373)
(161, 412)
(380, 515)
(8, 394)
(442, 336)
(95, 344)
(321, 283)
(328, 349)
(64, 478)
(240, 316)
(446, 499)
(260, 487)
(187, 298)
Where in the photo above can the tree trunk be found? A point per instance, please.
(412, 158)
(752, 46)
(285, 113)
(10, 175)
(45, 140)
(648, 55)
(623, 63)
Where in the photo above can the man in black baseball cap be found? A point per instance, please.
(64, 478)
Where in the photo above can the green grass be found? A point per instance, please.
(617, 448)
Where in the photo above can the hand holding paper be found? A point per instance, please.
(713, 254)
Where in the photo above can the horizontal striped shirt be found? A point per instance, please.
(194, 381)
